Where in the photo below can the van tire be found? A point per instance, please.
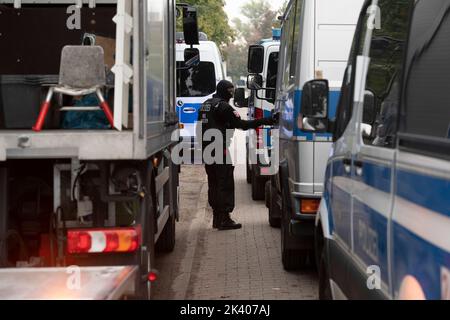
(291, 259)
(267, 194)
(258, 188)
(275, 222)
(248, 171)
(324, 280)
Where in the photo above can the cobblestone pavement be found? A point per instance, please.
(240, 264)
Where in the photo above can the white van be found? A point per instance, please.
(315, 43)
(196, 85)
(261, 105)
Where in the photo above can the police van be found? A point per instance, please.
(316, 39)
(383, 228)
(260, 106)
(196, 85)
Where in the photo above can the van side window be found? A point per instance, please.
(296, 39)
(345, 105)
(272, 70)
(382, 95)
(426, 100)
(287, 39)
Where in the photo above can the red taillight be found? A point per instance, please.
(114, 240)
(152, 276)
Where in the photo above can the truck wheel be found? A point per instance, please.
(166, 241)
(258, 186)
(324, 280)
(146, 258)
(275, 222)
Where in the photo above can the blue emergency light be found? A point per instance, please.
(276, 34)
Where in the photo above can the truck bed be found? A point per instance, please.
(84, 145)
(96, 283)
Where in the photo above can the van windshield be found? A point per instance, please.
(272, 70)
(199, 81)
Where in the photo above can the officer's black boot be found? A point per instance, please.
(228, 223)
(217, 218)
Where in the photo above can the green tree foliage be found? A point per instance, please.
(212, 20)
(259, 20)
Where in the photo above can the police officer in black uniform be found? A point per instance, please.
(217, 113)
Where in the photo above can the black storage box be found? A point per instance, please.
(20, 99)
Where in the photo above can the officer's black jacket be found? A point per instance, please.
(216, 113)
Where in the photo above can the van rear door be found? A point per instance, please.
(195, 86)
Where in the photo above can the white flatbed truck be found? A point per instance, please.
(102, 199)
(95, 283)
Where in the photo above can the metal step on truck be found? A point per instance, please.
(88, 187)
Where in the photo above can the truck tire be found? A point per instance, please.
(146, 258)
(258, 187)
(166, 241)
(291, 259)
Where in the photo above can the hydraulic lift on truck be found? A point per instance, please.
(83, 207)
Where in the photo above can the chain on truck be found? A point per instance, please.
(87, 115)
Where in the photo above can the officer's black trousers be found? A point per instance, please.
(221, 187)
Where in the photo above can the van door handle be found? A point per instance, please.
(347, 165)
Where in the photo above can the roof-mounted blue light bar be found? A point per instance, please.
(276, 34)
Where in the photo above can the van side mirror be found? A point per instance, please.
(239, 98)
(315, 105)
(191, 57)
(254, 82)
(190, 25)
(315, 99)
(255, 59)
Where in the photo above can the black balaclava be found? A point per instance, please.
(222, 90)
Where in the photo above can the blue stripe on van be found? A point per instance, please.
(429, 192)
(189, 117)
(333, 102)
